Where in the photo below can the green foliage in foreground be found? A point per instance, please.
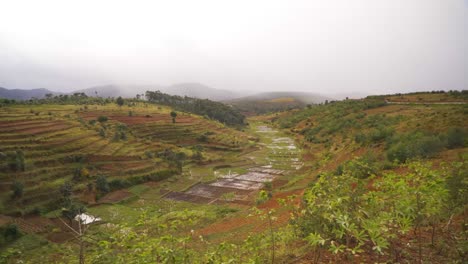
(8, 233)
(344, 214)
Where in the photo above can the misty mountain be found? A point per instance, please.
(19, 94)
(126, 91)
(275, 101)
(200, 91)
(196, 90)
(303, 97)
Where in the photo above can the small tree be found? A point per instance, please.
(120, 101)
(455, 137)
(16, 160)
(173, 115)
(17, 188)
(102, 185)
(102, 133)
(102, 119)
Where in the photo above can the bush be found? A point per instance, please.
(380, 134)
(360, 138)
(9, 232)
(202, 138)
(413, 145)
(16, 160)
(455, 137)
(102, 133)
(262, 197)
(149, 154)
(102, 119)
(102, 185)
(17, 189)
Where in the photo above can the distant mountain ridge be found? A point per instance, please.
(20, 94)
(196, 90)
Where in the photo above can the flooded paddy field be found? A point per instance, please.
(278, 156)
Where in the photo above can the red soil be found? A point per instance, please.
(45, 129)
(100, 158)
(231, 224)
(134, 120)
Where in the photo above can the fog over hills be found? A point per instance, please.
(130, 91)
(19, 94)
(276, 101)
(303, 97)
(182, 89)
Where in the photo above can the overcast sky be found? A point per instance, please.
(324, 46)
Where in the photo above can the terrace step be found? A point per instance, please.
(180, 196)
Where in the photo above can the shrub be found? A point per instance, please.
(173, 115)
(16, 160)
(17, 189)
(102, 132)
(202, 138)
(455, 137)
(197, 156)
(262, 197)
(360, 138)
(102, 119)
(120, 101)
(413, 145)
(10, 232)
(149, 154)
(380, 134)
(101, 184)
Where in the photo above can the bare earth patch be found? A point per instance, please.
(115, 197)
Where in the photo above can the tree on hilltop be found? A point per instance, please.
(173, 115)
(120, 101)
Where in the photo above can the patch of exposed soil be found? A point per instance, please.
(115, 196)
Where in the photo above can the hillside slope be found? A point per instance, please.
(44, 146)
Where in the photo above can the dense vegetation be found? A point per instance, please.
(204, 107)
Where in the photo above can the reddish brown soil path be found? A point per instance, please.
(230, 225)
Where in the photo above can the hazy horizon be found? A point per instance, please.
(326, 47)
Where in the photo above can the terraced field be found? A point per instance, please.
(57, 140)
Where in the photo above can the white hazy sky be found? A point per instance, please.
(325, 46)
